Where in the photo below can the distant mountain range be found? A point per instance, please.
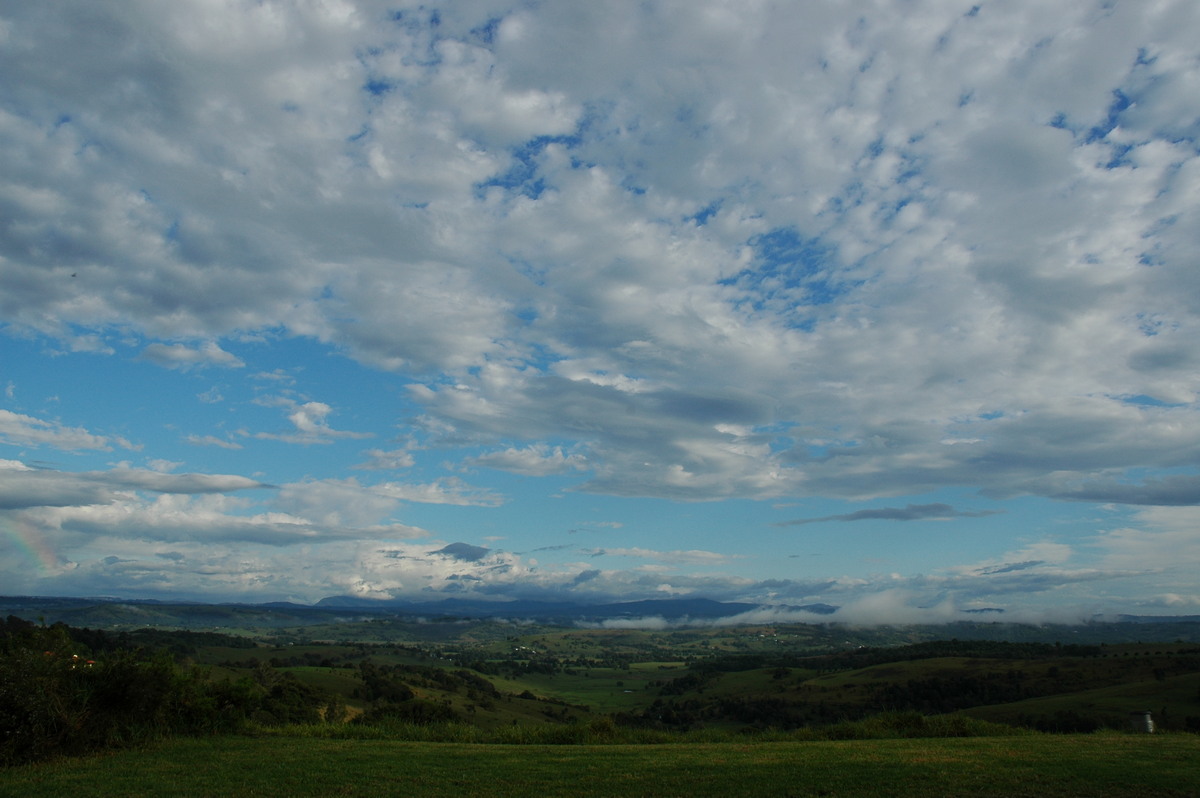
(668, 609)
(111, 612)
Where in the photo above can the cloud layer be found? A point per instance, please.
(640, 250)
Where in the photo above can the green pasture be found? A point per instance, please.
(599, 689)
(1108, 765)
(1168, 699)
(335, 681)
(1063, 678)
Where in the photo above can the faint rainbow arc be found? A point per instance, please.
(29, 540)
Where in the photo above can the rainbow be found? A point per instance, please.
(33, 543)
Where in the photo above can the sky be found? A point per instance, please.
(892, 306)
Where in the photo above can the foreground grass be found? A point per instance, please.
(1099, 765)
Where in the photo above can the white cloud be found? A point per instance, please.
(179, 356)
(689, 557)
(897, 606)
(337, 502)
(309, 420)
(472, 210)
(175, 518)
(538, 460)
(1163, 539)
(21, 430)
(683, 254)
(212, 440)
(387, 460)
(24, 487)
(448, 490)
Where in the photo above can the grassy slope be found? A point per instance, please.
(1109, 686)
(1105, 688)
(1172, 696)
(1092, 765)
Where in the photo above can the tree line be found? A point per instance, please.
(71, 691)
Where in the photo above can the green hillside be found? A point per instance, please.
(70, 690)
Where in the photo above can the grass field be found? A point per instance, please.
(1113, 704)
(1106, 765)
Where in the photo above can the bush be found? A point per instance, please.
(892, 725)
(55, 699)
(417, 711)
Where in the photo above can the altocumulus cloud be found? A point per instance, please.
(605, 259)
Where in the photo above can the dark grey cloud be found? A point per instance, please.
(911, 512)
(1171, 491)
(1009, 567)
(464, 551)
(585, 576)
(24, 489)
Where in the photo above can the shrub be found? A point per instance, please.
(892, 725)
(417, 711)
(55, 700)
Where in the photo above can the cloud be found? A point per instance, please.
(1176, 490)
(21, 430)
(464, 551)
(643, 259)
(1163, 540)
(113, 506)
(761, 255)
(585, 576)
(278, 376)
(178, 356)
(309, 420)
(449, 490)
(534, 461)
(211, 396)
(140, 479)
(212, 440)
(911, 512)
(337, 502)
(690, 557)
(177, 519)
(648, 623)
(898, 606)
(1010, 567)
(391, 460)
(24, 487)
(342, 498)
